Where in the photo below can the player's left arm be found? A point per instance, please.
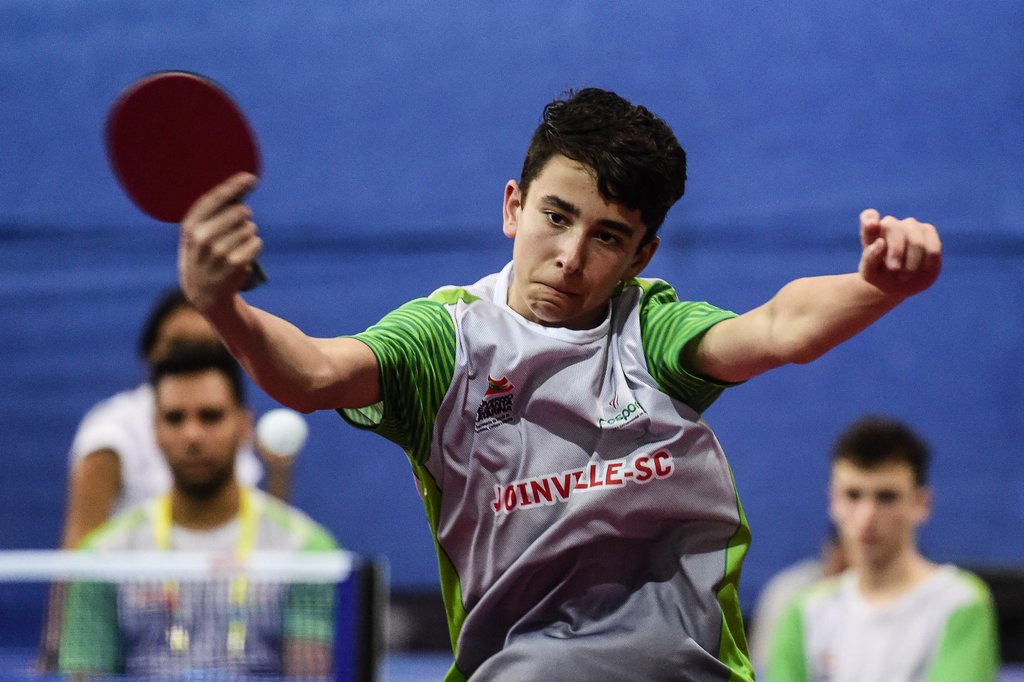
(810, 316)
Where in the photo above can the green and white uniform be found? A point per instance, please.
(167, 629)
(944, 630)
(586, 520)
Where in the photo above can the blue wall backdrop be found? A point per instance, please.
(388, 131)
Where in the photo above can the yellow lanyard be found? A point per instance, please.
(177, 634)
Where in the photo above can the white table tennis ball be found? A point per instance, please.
(282, 431)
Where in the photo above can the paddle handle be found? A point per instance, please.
(257, 276)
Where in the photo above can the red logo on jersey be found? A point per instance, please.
(498, 386)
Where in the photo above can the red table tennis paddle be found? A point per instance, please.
(171, 137)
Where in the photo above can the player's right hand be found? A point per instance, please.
(218, 243)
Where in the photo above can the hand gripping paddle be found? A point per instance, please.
(172, 136)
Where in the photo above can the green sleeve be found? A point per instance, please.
(671, 330)
(969, 649)
(320, 540)
(415, 350)
(309, 611)
(309, 535)
(787, 661)
(309, 607)
(89, 634)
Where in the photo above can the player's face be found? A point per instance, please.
(877, 511)
(199, 427)
(184, 325)
(572, 247)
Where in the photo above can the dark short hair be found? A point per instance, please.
(169, 303)
(193, 358)
(875, 440)
(635, 156)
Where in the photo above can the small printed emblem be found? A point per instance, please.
(629, 413)
(496, 407)
(498, 386)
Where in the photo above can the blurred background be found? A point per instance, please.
(388, 131)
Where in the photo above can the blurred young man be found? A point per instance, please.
(200, 422)
(894, 616)
(779, 592)
(585, 518)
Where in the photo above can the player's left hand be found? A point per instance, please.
(901, 257)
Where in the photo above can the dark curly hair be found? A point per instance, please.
(635, 156)
(875, 440)
(196, 357)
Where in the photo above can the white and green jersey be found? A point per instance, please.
(163, 629)
(586, 520)
(944, 630)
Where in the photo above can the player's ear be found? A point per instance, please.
(924, 503)
(644, 254)
(833, 495)
(510, 208)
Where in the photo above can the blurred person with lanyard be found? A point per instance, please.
(200, 423)
(115, 460)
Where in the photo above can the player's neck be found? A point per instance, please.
(207, 512)
(883, 583)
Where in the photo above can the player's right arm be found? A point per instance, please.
(218, 242)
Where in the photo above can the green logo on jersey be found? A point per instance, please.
(629, 413)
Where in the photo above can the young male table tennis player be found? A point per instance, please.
(586, 520)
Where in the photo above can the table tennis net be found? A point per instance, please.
(195, 615)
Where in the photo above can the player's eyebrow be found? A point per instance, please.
(573, 210)
(562, 205)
